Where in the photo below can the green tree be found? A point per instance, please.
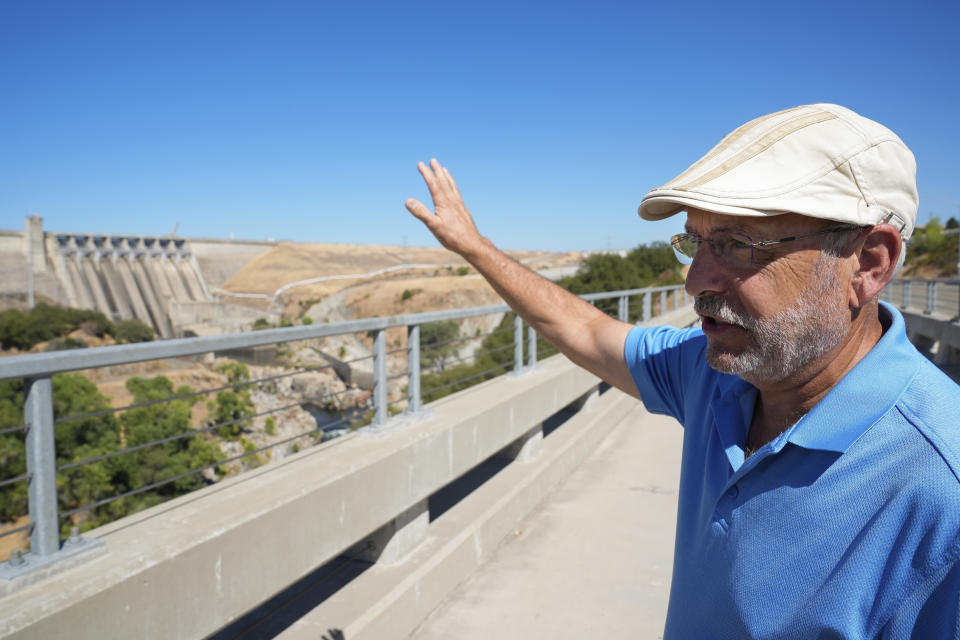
(13, 461)
(931, 251)
(167, 460)
(90, 436)
(436, 342)
(234, 406)
(641, 267)
(44, 322)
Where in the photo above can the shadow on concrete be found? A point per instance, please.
(441, 501)
(281, 611)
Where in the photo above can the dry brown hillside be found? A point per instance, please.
(431, 288)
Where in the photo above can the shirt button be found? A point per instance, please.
(734, 491)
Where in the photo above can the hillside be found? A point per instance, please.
(447, 285)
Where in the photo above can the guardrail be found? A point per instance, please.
(940, 297)
(39, 424)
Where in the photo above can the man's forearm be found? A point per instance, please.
(581, 332)
(555, 313)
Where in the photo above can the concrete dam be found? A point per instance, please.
(164, 282)
(126, 277)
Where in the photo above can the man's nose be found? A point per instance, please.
(706, 274)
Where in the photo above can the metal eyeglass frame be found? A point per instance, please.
(684, 258)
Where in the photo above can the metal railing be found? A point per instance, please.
(39, 423)
(939, 297)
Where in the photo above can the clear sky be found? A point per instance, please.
(304, 120)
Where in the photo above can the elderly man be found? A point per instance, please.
(819, 491)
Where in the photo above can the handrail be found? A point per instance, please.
(37, 371)
(931, 296)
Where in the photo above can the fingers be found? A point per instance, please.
(439, 180)
(427, 173)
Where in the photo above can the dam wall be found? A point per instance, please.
(162, 281)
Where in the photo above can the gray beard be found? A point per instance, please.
(787, 341)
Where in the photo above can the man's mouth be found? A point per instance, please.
(717, 316)
(713, 326)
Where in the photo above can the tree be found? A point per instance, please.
(13, 460)
(932, 251)
(232, 406)
(436, 342)
(641, 267)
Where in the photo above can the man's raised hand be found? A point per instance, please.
(451, 222)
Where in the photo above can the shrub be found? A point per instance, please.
(63, 344)
(462, 271)
(132, 331)
(406, 295)
(270, 426)
(45, 322)
(306, 320)
(260, 323)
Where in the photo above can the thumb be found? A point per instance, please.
(419, 210)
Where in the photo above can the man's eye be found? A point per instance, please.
(725, 245)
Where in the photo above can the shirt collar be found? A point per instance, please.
(865, 393)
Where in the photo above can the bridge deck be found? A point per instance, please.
(593, 561)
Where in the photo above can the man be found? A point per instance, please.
(819, 491)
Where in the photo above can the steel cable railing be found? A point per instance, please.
(186, 396)
(472, 358)
(16, 530)
(938, 297)
(19, 427)
(186, 474)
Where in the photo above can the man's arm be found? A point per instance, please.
(584, 334)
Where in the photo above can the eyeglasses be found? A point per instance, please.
(734, 249)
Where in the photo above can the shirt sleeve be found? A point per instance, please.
(660, 360)
(932, 612)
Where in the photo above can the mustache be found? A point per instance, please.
(716, 307)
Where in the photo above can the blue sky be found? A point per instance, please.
(305, 120)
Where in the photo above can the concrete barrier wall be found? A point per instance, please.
(186, 568)
(938, 337)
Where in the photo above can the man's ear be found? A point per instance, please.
(877, 256)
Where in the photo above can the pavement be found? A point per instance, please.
(594, 560)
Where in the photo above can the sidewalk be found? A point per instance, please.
(593, 561)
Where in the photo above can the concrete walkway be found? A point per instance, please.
(593, 561)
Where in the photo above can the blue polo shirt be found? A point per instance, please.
(847, 525)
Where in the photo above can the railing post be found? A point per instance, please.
(517, 344)
(931, 305)
(957, 285)
(663, 302)
(380, 377)
(42, 466)
(413, 368)
(531, 346)
(906, 294)
(646, 305)
(623, 308)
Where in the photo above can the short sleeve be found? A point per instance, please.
(933, 611)
(662, 361)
